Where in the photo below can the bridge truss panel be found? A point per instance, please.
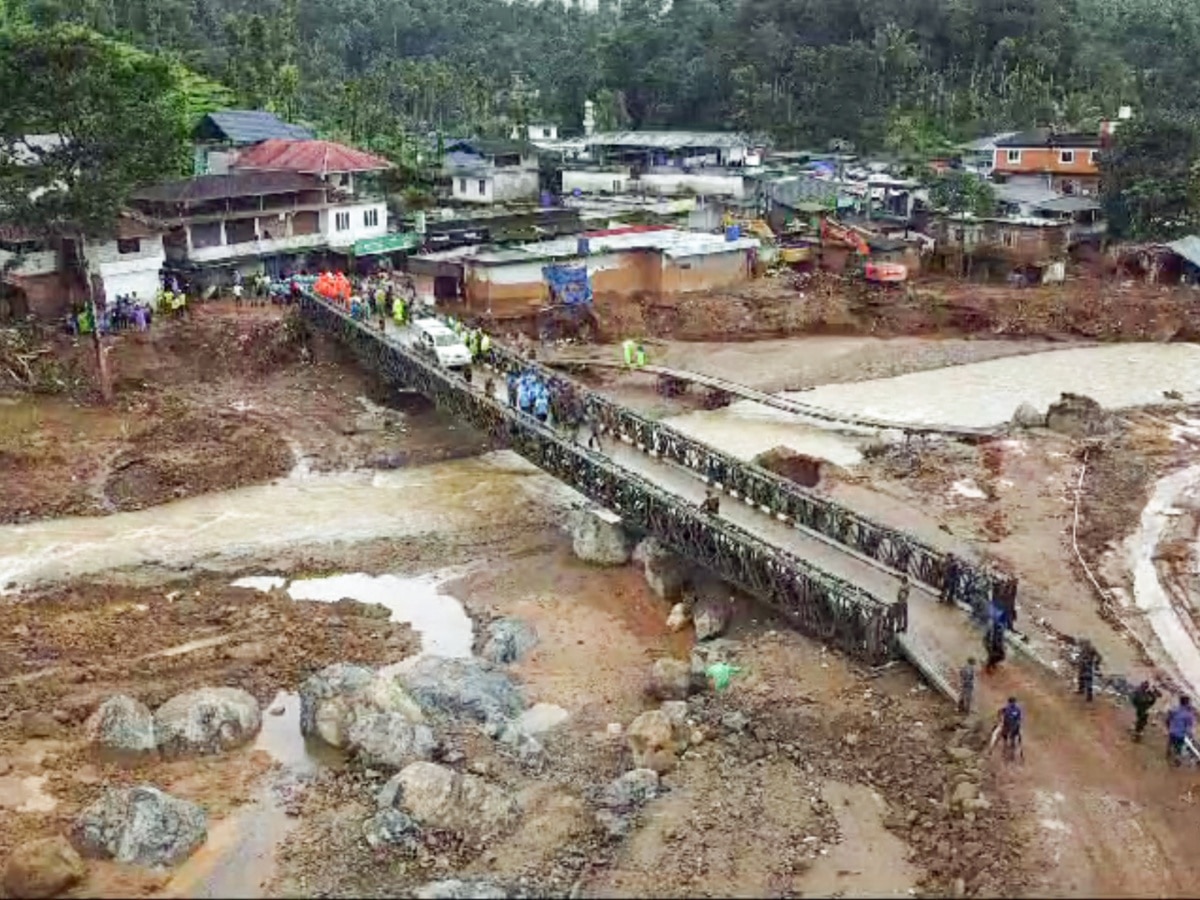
(813, 601)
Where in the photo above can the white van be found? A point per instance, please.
(438, 342)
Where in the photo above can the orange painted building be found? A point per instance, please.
(1064, 162)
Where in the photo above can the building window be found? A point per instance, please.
(1066, 157)
(129, 245)
(1006, 238)
(341, 221)
(482, 186)
(370, 218)
(1014, 157)
(462, 185)
(1093, 156)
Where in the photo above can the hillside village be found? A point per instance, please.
(269, 198)
(603, 449)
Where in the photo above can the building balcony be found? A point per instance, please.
(259, 247)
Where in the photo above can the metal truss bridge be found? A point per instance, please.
(830, 571)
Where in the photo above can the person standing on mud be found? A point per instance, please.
(966, 686)
(1180, 722)
(1143, 700)
(1088, 668)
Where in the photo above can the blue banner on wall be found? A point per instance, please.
(568, 284)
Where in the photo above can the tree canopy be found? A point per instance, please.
(110, 117)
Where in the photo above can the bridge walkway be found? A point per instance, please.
(939, 636)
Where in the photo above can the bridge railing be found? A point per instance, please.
(815, 602)
(964, 582)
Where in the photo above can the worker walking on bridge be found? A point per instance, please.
(398, 312)
(641, 355)
(1088, 667)
(902, 594)
(950, 577)
(711, 503)
(1143, 699)
(993, 643)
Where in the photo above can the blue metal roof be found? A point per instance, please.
(249, 126)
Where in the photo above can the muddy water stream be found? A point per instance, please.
(245, 523)
(981, 394)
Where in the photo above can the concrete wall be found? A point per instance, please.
(708, 184)
(127, 273)
(519, 288)
(359, 225)
(496, 186)
(589, 181)
(40, 262)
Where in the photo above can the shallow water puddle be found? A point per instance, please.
(438, 618)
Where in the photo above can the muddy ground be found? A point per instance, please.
(210, 403)
(834, 780)
(1083, 307)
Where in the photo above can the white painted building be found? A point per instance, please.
(534, 133)
(486, 171)
(127, 265)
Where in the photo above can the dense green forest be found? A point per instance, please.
(876, 73)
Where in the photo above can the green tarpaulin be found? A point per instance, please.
(389, 243)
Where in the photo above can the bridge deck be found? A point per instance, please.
(939, 636)
(782, 403)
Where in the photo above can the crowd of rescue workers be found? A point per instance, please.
(557, 403)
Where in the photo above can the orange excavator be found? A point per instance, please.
(877, 272)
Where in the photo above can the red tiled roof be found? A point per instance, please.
(311, 157)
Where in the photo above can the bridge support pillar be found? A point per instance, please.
(599, 537)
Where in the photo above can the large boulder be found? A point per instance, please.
(463, 689)
(670, 679)
(122, 725)
(666, 572)
(631, 790)
(42, 868)
(208, 720)
(1078, 416)
(681, 614)
(711, 616)
(390, 739)
(508, 640)
(438, 797)
(140, 825)
(332, 700)
(654, 741)
(453, 889)
(599, 537)
(1028, 416)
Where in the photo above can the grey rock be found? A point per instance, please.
(670, 679)
(735, 722)
(453, 889)
(390, 794)
(1078, 416)
(508, 641)
(599, 537)
(676, 711)
(711, 617)
(665, 571)
(140, 825)
(630, 790)
(390, 827)
(463, 689)
(1027, 416)
(438, 797)
(616, 824)
(122, 725)
(390, 739)
(208, 720)
(332, 700)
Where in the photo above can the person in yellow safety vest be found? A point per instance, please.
(398, 311)
(485, 347)
(161, 302)
(641, 355)
(627, 346)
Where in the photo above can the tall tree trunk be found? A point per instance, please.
(102, 372)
